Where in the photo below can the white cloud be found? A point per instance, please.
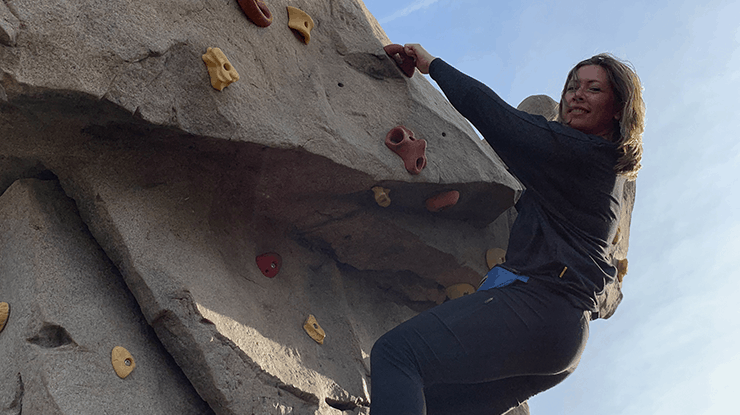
(418, 4)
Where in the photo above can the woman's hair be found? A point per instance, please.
(628, 95)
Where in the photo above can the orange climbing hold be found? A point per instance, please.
(495, 256)
(220, 69)
(311, 326)
(123, 362)
(4, 315)
(459, 290)
(443, 201)
(622, 266)
(413, 152)
(381, 196)
(269, 264)
(404, 61)
(257, 12)
(300, 21)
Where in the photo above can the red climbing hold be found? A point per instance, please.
(269, 264)
(404, 61)
(443, 201)
(257, 12)
(413, 152)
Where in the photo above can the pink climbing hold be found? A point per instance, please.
(257, 12)
(443, 201)
(413, 152)
(404, 61)
(269, 264)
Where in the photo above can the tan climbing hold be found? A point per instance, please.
(220, 69)
(459, 290)
(300, 21)
(314, 330)
(123, 362)
(617, 236)
(495, 256)
(622, 265)
(4, 315)
(381, 196)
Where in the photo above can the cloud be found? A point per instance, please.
(418, 4)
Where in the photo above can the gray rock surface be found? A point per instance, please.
(181, 186)
(69, 308)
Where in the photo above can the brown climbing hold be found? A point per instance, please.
(4, 315)
(269, 264)
(404, 61)
(300, 21)
(443, 201)
(401, 141)
(495, 256)
(257, 12)
(622, 266)
(617, 236)
(381, 196)
(219, 68)
(123, 362)
(314, 330)
(459, 290)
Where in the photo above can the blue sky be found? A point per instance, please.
(672, 347)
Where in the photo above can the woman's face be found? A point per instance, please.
(588, 104)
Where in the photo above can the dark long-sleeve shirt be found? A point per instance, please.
(569, 212)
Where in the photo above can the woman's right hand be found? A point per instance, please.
(420, 55)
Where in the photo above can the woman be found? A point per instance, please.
(525, 328)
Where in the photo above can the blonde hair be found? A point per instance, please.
(628, 95)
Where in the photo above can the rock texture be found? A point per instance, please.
(70, 308)
(120, 163)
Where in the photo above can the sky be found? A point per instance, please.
(672, 346)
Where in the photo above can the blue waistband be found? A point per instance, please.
(498, 277)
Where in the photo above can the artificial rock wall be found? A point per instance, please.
(135, 199)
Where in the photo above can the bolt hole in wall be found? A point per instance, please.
(444, 134)
(341, 85)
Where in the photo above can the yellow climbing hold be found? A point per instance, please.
(4, 314)
(495, 256)
(381, 196)
(220, 69)
(123, 362)
(300, 21)
(314, 330)
(622, 269)
(459, 290)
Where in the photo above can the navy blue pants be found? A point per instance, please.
(483, 353)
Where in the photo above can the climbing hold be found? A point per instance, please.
(443, 201)
(459, 290)
(405, 62)
(495, 256)
(269, 264)
(4, 315)
(220, 69)
(622, 269)
(257, 12)
(300, 21)
(413, 152)
(314, 330)
(617, 236)
(123, 362)
(381, 196)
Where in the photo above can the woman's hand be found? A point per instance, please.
(420, 55)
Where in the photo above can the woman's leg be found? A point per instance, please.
(521, 329)
(491, 398)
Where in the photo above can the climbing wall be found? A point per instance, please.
(219, 205)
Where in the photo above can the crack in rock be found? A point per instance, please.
(51, 336)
